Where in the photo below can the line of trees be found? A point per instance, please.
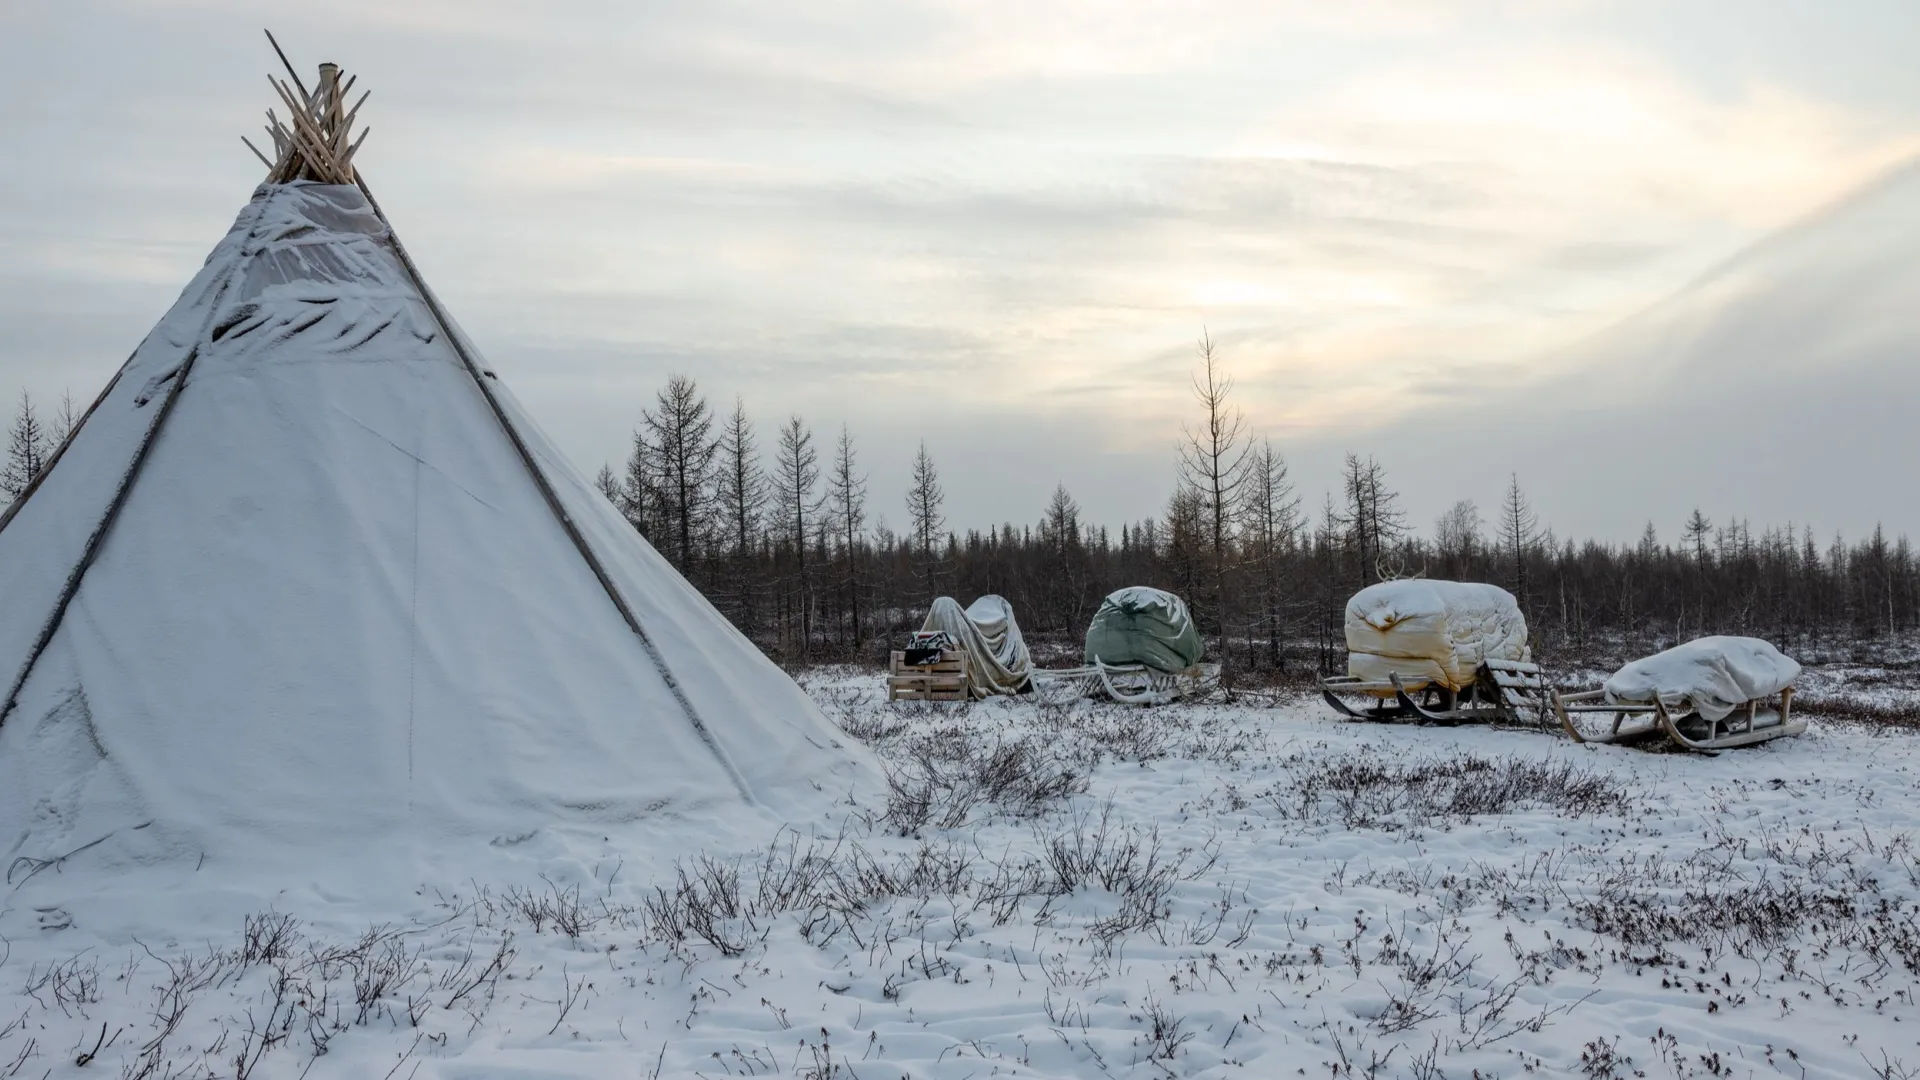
(784, 550)
(785, 541)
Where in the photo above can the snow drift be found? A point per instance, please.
(334, 601)
(1713, 675)
(1432, 631)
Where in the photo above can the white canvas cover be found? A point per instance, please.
(1432, 631)
(335, 607)
(1713, 675)
(997, 660)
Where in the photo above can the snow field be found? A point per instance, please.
(1253, 889)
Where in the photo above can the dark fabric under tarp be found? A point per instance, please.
(1139, 625)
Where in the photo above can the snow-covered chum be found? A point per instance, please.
(1711, 675)
(1432, 631)
(306, 578)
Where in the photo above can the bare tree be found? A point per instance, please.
(1372, 521)
(1063, 573)
(923, 510)
(741, 491)
(1519, 533)
(608, 484)
(637, 486)
(1213, 464)
(64, 421)
(847, 495)
(1269, 524)
(1456, 537)
(680, 427)
(796, 472)
(28, 447)
(741, 486)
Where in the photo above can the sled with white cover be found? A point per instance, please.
(1439, 651)
(1142, 649)
(996, 655)
(1712, 693)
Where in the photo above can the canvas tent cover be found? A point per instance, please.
(1713, 675)
(1432, 631)
(997, 660)
(1140, 625)
(335, 602)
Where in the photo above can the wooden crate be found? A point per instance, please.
(943, 680)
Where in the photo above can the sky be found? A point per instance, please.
(1646, 256)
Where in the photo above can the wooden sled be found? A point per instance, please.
(1129, 684)
(1502, 691)
(943, 680)
(1684, 728)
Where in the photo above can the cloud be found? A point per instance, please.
(946, 216)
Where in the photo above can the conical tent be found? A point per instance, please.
(306, 565)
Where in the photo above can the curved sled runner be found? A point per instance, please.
(1630, 722)
(1502, 691)
(1685, 728)
(1129, 684)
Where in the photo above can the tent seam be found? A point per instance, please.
(553, 503)
(98, 538)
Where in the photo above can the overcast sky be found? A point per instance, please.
(1595, 243)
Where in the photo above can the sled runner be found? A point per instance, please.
(1501, 691)
(1710, 694)
(1445, 652)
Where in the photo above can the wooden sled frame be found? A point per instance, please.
(1501, 692)
(1129, 684)
(1747, 725)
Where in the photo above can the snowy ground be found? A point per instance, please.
(1209, 890)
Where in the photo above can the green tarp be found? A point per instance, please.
(1138, 625)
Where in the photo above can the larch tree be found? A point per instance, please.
(1519, 532)
(924, 498)
(847, 496)
(1063, 576)
(608, 484)
(1456, 537)
(741, 490)
(65, 419)
(28, 446)
(1269, 523)
(1372, 520)
(796, 473)
(1213, 465)
(637, 486)
(680, 427)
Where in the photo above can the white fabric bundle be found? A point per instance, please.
(1714, 675)
(997, 660)
(1432, 631)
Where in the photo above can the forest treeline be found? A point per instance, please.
(778, 527)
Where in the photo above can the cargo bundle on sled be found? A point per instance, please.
(1441, 651)
(1142, 649)
(982, 654)
(1712, 693)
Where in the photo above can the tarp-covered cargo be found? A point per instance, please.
(1432, 631)
(997, 660)
(1713, 675)
(1139, 625)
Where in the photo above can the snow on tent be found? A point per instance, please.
(306, 573)
(997, 660)
(1711, 693)
(1436, 650)
(1142, 647)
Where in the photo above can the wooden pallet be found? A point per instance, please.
(943, 680)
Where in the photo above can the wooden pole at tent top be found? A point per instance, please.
(315, 142)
